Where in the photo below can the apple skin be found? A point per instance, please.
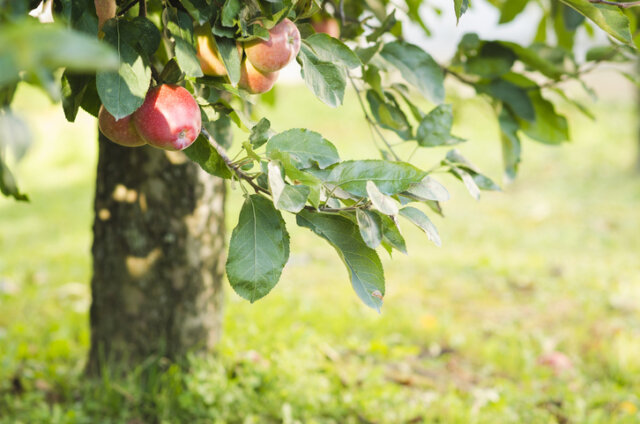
(272, 55)
(169, 118)
(105, 10)
(207, 52)
(254, 81)
(328, 26)
(121, 132)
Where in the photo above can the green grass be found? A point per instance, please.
(551, 263)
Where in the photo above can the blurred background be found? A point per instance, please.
(529, 312)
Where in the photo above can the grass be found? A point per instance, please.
(550, 264)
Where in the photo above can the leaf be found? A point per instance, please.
(460, 6)
(381, 202)
(535, 60)
(510, 9)
(493, 60)
(331, 49)
(388, 114)
(417, 67)
(305, 148)
(205, 155)
(548, 127)
(609, 18)
(468, 181)
(74, 87)
(370, 227)
(391, 233)
(230, 57)
(389, 177)
(149, 37)
(258, 250)
(230, 12)
(325, 79)
(187, 59)
(429, 189)
(124, 91)
(8, 185)
(435, 127)
(260, 133)
(510, 144)
(286, 197)
(362, 262)
(419, 218)
(514, 97)
(298, 176)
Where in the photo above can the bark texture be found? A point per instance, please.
(157, 256)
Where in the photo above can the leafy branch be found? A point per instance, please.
(623, 5)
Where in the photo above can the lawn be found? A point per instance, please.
(550, 264)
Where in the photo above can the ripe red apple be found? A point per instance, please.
(169, 118)
(272, 55)
(121, 132)
(254, 81)
(327, 25)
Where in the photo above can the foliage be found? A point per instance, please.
(355, 205)
(462, 328)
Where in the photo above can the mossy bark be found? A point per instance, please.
(157, 257)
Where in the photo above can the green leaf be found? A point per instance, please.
(305, 148)
(187, 58)
(258, 250)
(205, 155)
(388, 114)
(370, 227)
(429, 189)
(435, 127)
(549, 127)
(419, 218)
(124, 91)
(230, 12)
(468, 181)
(510, 9)
(74, 87)
(230, 57)
(493, 60)
(609, 18)
(510, 144)
(389, 177)
(286, 197)
(514, 97)
(362, 262)
(299, 177)
(260, 133)
(535, 60)
(149, 37)
(460, 6)
(417, 67)
(331, 49)
(8, 185)
(381, 202)
(325, 79)
(391, 233)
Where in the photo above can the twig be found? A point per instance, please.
(370, 120)
(623, 5)
(143, 8)
(241, 175)
(127, 7)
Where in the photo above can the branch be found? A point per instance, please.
(127, 7)
(240, 174)
(623, 5)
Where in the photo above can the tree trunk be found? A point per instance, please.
(157, 256)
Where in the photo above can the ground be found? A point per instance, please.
(548, 265)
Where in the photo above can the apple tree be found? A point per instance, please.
(170, 79)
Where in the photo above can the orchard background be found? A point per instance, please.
(527, 313)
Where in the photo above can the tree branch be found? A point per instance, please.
(127, 7)
(241, 175)
(623, 5)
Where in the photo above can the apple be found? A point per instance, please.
(105, 10)
(169, 118)
(274, 54)
(254, 81)
(327, 25)
(121, 132)
(207, 52)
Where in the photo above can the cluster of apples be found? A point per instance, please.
(169, 117)
(261, 61)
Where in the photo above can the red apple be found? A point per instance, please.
(272, 55)
(254, 81)
(169, 118)
(327, 25)
(121, 132)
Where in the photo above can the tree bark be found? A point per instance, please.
(157, 257)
